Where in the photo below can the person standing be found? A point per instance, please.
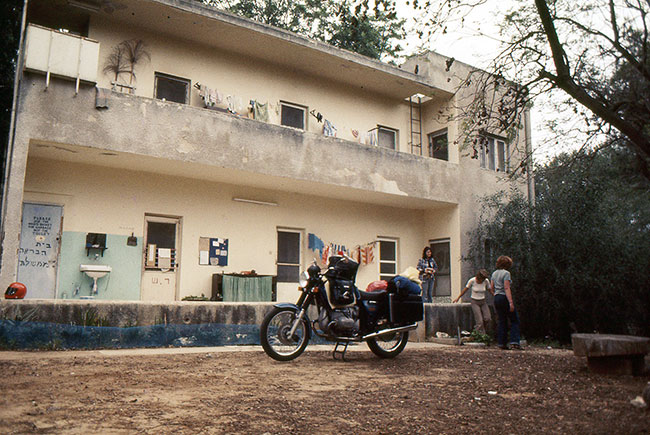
(427, 267)
(504, 304)
(478, 285)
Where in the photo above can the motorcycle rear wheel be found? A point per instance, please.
(274, 334)
(388, 346)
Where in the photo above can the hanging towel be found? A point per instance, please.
(314, 243)
(355, 134)
(326, 254)
(261, 111)
(367, 254)
(371, 138)
(212, 97)
(356, 254)
(234, 104)
(329, 129)
(101, 98)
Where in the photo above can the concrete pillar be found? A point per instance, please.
(12, 220)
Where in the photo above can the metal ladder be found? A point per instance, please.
(415, 110)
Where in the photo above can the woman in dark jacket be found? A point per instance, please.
(427, 267)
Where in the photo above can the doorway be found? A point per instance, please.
(441, 253)
(289, 261)
(38, 255)
(161, 258)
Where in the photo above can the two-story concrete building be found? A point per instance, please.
(223, 146)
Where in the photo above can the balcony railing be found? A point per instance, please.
(62, 54)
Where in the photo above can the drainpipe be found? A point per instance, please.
(18, 73)
(529, 159)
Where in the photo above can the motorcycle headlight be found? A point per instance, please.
(303, 279)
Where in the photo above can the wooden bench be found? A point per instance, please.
(612, 354)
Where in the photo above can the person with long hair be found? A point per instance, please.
(478, 285)
(427, 267)
(505, 305)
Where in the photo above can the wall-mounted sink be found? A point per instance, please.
(95, 271)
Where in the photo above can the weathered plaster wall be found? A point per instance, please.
(113, 201)
(246, 78)
(179, 132)
(103, 324)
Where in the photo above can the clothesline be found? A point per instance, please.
(260, 111)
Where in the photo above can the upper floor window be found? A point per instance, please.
(494, 154)
(387, 137)
(170, 88)
(438, 145)
(293, 115)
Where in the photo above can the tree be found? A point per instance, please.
(10, 19)
(591, 51)
(581, 257)
(372, 29)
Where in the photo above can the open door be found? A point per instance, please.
(441, 253)
(161, 258)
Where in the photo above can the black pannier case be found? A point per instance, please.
(405, 309)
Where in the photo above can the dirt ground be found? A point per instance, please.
(427, 389)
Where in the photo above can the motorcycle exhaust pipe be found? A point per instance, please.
(391, 331)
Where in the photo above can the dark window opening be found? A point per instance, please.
(288, 256)
(293, 116)
(438, 145)
(161, 234)
(387, 259)
(170, 88)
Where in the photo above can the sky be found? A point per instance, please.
(476, 43)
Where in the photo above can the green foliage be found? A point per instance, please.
(581, 258)
(91, 317)
(196, 298)
(372, 29)
(477, 337)
(10, 18)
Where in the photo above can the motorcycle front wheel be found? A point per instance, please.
(275, 338)
(390, 345)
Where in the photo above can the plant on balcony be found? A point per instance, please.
(123, 59)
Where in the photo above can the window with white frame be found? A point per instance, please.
(387, 258)
(288, 255)
(494, 154)
(170, 88)
(293, 115)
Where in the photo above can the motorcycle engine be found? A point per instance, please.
(343, 321)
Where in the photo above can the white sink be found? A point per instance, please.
(95, 271)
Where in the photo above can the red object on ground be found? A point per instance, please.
(376, 286)
(16, 290)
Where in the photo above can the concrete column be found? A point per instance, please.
(11, 226)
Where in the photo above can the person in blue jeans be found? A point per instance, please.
(501, 288)
(427, 267)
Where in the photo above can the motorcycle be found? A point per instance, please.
(343, 314)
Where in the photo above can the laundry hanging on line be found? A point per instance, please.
(329, 129)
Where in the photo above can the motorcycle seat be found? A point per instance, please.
(373, 296)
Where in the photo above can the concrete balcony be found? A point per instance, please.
(150, 135)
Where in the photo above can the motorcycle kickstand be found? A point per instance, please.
(341, 352)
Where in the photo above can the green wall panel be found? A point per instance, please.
(123, 283)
